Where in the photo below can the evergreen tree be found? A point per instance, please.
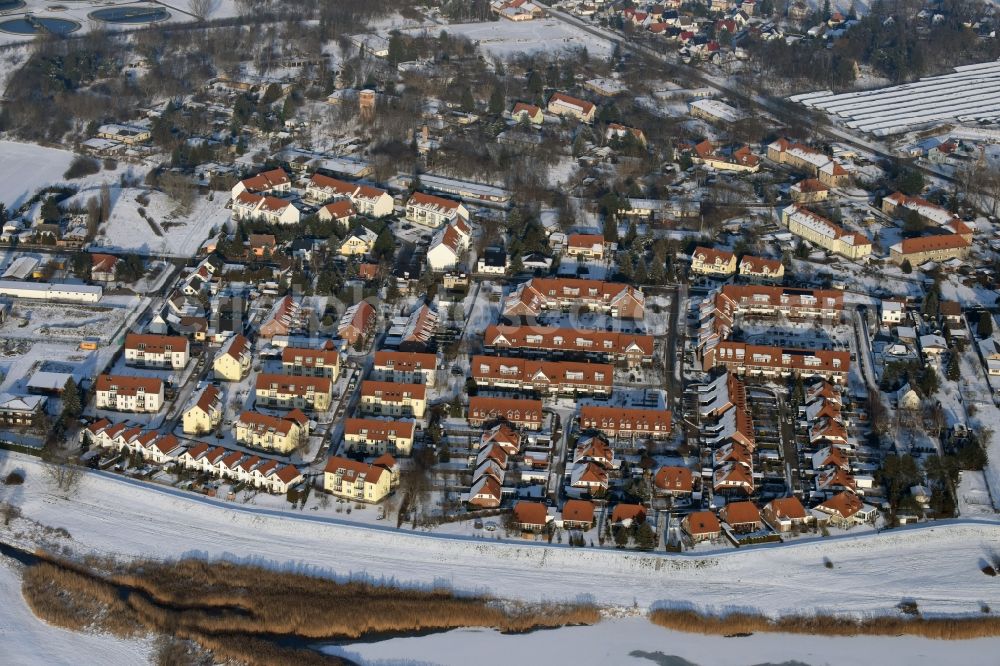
(984, 328)
(954, 370)
(497, 101)
(71, 403)
(645, 537)
(468, 102)
(906, 267)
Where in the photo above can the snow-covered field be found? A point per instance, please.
(24, 639)
(505, 39)
(938, 566)
(182, 235)
(25, 167)
(635, 641)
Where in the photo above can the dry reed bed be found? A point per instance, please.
(956, 628)
(237, 611)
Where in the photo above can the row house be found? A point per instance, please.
(156, 351)
(205, 413)
(709, 261)
(356, 481)
(434, 211)
(633, 349)
(523, 413)
(504, 436)
(825, 233)
(811, 161)
(275, 181)
(286, 316)
(561, 104)
(278, 434)
(777, 362)
(341, 212)
(405, 367)
(21, 411)
(392, 399)
(414, 332)
(594, 450)
(551, 377)
(239, 467)
(151, 445)
(232, 362)
(531, 298)
(626, 423)
(374, 437)
(122, 393)
(357, 322)
(287, 392)
(304, 362)
(268, 209)
(486, 492)
(589, 477)
(366, 199)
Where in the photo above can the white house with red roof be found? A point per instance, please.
(433, 211)
(561, 104)
(275, 181)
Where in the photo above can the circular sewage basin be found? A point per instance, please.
(8, 5)
(130, 15)
(35, 25)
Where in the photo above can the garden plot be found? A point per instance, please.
(970, 94)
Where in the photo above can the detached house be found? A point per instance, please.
(358, 242)
(673, 481)
(156, 351)
(531, 516)
(785, 513)
(103, 267)
(205, 413)
(585, 246)
(527, 113)
(448, 245)
(844, 510)
(577, 515)
(433, 211)
(701, 526)
(742, 517)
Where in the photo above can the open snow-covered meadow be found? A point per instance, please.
(506, 39)
(937, 566)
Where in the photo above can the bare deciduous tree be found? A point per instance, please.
(64, 477)
(202, 9)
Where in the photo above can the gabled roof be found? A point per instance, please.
(530, 513)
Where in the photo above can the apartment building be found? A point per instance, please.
(286, 392)
(366, 199)
(304, 362)
(937, 247)
(719, 313)
(21, 411)
(709, 261)
(433, 211)
(553, 342)
(393, 399)
(741, 160)
(156, 351)
(825, 233)
(776, 362)
(762, 268)
(275, 181)
(548, 377)
(262, 208)
(405, 367)
(527, 113)
(811, 161)
(626, 423)
(356, 481)
(375, 437)
(232, 363)
(129, 394)
(519, 412)
(533, 297)
(277, 434)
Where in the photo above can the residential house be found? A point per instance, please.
(275, 181)
(589, 477)
(262, 246)
(286, 317)
(286, 392)
(555, 342)
(232, 362)
(578, 515)
(527, 113)
(205, 413)
(308, 362)
(519, 412)
(448, 245)
(809, 191)
(356, 481)
(271, 210)
(823, 232)
(433, 211)
(811, 161)
(357, 322)
(626, 423)
(844, 510)
(367, 200)
(595, 450)
(103, 267)
(709, 261)
(504, 436)
(585, 246)
(937, 247)
(341, 212)
(277, 434)
(627, 514)
(775, 362)
(673, 481)
(762, 268)
(531, 298)
(742, 517)
(530, 516)
(156, 351)
(561, 104)
(378, 436)
(129, 394)
(701, 526)
(486, 493)
(393, 399)
(785, 513)
(549, 377)
(405, 367)
(358, 242)
(21, 411)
